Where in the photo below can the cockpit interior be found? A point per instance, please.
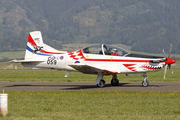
(103, 49)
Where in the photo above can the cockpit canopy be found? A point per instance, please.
(103, 49)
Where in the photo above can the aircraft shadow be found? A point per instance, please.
(129, 85)
(78, 87)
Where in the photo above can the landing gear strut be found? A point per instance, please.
(99, 81)
(145, 83)
(114, 81)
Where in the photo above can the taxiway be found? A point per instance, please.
(89, 86)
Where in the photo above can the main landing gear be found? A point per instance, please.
(114, 81)
(145, 83)
(100, 82)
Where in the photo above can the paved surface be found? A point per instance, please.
(88, 86)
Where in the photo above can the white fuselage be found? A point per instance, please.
(119, 64)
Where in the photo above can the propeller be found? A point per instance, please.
(170, 68)
(168, 62)
(170, 50)
(165, 71)
(163, 51)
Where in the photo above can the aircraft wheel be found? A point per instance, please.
(101, 83)
(145, 83)
(114, 82)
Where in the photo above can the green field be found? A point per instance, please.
(58, 76)
(12, 55)
(100, 105)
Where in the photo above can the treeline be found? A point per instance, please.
(12, 43)
(147, 26)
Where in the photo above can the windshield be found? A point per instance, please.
(114, 51)
(105, 49)
(93, 49)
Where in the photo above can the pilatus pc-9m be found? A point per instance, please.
(101, 59)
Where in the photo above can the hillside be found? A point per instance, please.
(146, 26)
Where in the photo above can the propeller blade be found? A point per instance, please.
(170, 68)
(163, 51)
(170, 50)
(168, 62)
(165, 71)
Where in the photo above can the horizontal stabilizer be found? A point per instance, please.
(25, 61)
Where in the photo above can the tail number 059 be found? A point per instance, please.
(51, 62)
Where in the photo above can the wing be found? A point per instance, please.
(25, 61)
(89, 69)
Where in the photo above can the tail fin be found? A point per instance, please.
(36, 49)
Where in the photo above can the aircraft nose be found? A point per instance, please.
(169, 61)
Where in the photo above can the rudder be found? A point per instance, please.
(34, 44)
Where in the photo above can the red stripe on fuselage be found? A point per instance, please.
(43, 51)
(115, 60)
(80, 54)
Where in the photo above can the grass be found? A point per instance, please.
(6, 65)
(12, 55)
(58, 76)
(93, 105)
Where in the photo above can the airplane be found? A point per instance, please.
(99, 59)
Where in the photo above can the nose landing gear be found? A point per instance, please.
(145, 83)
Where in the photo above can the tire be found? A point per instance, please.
(114, 82)
(145, 84)
(101, 83)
